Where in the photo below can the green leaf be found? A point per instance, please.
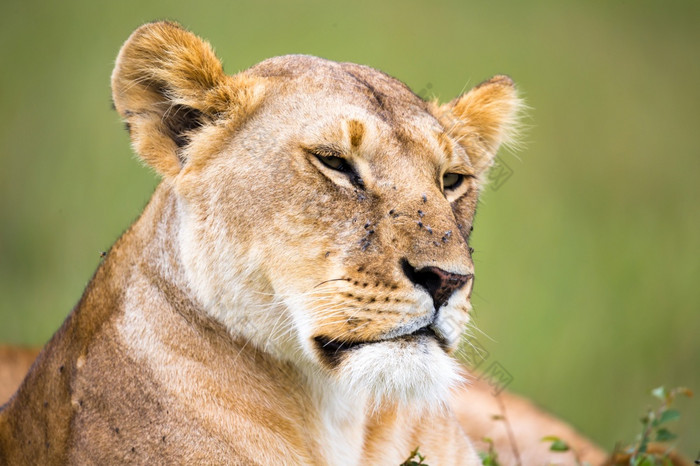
(415, 453)
(644, 460)
(559, 445)
(669, 415)
(665, 435)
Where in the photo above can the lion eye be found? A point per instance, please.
(338, 164)
(334, 163)
(452, 180)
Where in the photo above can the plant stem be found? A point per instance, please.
(509, 430)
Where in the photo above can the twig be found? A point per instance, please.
(511, 437)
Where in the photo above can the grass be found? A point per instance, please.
(587, 257)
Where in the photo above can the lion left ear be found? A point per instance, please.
(483, 119)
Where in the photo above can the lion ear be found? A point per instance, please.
(483, 119)
(166, 84)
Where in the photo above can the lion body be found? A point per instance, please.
(295, 289)
(475, 406)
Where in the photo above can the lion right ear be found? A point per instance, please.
(483, 119)
(166, 84)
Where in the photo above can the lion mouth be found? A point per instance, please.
(333, 349)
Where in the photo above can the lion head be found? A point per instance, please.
(324, 209)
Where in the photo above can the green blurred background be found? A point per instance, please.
(587, 256)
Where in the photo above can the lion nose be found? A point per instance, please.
(439, 283)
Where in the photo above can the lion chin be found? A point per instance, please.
(416, 374)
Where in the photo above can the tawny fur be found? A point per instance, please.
(475, 406)
(197, 340)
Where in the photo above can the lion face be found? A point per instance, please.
(325, 209)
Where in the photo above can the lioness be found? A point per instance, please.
(294, 290)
